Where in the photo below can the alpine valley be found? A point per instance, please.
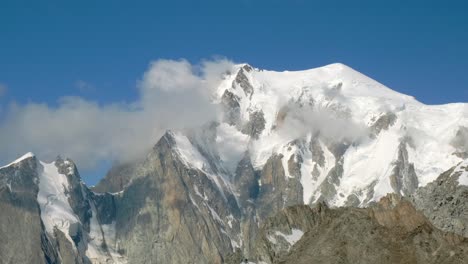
(317, 166)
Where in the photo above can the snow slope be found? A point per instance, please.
(56, 212)
(340, 105)
(53, 201)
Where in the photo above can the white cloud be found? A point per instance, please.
(331, 125)
(173, 95)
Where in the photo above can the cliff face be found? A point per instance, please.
(23, 238)
(171, 213)
(445, 200)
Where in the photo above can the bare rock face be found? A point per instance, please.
(170, 213)
(272, 243)
(277, 191)
(403, 180)
(328, 186)
(445, 203)
(383, 122)
(243, 81)
(23, 239)
(246, 181)
(231, 107)
(392, 231)
(255, 125)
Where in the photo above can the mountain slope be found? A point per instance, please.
(355, 139)
(327, 135)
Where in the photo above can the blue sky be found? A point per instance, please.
(99, 49)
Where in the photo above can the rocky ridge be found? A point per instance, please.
(391, 231)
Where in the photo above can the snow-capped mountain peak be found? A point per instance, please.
(389, 141)
(24, 157)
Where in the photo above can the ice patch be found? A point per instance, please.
(188, 153)
(292, 239)
(53, 201)
(193, 201)
(215, 214)
(462, 168)
(272, 239)
(287, 152)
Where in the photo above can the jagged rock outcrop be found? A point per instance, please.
(276, 191)
(392, 231)
(445, 201)
(279, 233)
(243, 81)
(384, 122)
(231, 107)
(255, 125)
(403, 179)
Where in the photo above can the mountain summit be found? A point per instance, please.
(326, 136)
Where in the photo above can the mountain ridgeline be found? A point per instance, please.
(323, 165)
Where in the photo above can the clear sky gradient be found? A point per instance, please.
(98, 49)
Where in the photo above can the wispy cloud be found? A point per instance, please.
(174, 94)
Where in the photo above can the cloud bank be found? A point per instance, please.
(174, 94)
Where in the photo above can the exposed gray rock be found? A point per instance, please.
(106, 207)
(276, 190)
(403, 179)
(76, 192)
(391, 231)
(66, 250)
(255, 125)
(270, 245)
(242, 80)
(445, 203)
(317, 151)
(383, 122)
(231, 108)
(22, 239)
(327, 188)
(175, 214)
(246, 181)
